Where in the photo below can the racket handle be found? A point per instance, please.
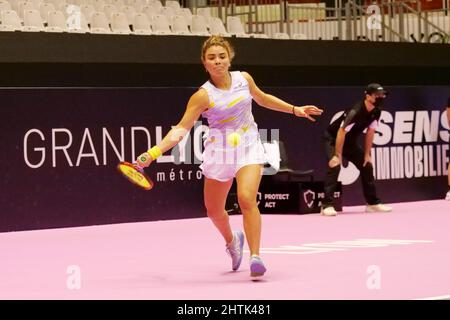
(138, 167)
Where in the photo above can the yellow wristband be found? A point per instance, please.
(155, 152)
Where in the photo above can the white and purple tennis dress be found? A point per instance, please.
(232, 140)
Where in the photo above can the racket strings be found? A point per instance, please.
(135, 175)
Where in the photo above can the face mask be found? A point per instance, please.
(378, 101)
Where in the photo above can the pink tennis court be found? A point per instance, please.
(404, 254)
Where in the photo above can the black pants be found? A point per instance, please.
(354, 153)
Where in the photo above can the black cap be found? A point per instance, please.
(375, 88)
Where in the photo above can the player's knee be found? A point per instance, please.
(216, 214)
(246, 199)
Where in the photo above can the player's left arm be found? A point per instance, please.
(271, 102)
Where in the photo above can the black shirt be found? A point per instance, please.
(355, 120)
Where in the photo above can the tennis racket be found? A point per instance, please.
(135, 174)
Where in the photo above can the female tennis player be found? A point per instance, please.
(233, 148)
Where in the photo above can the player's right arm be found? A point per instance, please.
(198, 103)
(340, 137)
(448, 112)
(337, 158)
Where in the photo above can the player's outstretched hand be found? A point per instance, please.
(308, 112)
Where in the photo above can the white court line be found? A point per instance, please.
(435, 298)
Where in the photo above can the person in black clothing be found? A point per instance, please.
(341, 141)
(447, 196)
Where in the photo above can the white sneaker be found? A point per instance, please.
(235, 249)
(328, 211)
(257, 267)
(378, 208)
(447, 196)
